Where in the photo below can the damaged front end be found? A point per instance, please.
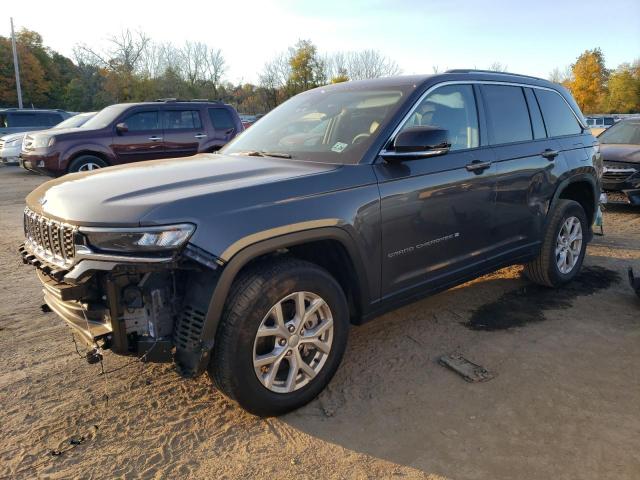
(621, 181)
(152, 302)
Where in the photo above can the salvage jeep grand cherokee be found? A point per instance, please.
(344, 202)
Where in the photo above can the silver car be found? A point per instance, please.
(10, 145)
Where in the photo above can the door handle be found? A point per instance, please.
(155, 139)
(200, 135)
(550, 154)
(477, 166)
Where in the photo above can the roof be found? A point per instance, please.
(31, 110)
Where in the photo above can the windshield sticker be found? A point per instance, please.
(339, 147)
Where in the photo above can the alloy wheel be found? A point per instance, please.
(293, 342)
(569, 245)
(89, 166)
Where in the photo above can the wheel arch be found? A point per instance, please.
(326, 247)
(581, 188)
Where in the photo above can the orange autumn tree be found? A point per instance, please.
(589, 81)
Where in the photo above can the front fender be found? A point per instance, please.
(84, 148)
(196, 361)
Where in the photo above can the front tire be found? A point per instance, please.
(86, 163)
(282, 336)
(563, 247)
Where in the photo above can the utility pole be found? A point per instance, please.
(15, 65)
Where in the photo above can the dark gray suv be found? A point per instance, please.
(18, 120)
(343, 203)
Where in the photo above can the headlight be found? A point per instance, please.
(144, 239)
(42, 141)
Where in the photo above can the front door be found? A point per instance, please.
(183, 132)
(437, 212)
(142, 139)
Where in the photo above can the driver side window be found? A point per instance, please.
(453, 108)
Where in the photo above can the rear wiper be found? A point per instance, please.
(262, 153)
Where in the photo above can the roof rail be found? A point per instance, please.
(473, 70)
(168, 100)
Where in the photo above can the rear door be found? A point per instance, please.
(574, 143)
(224, 125)
(525, 164)
(143, 139)
(183, 131)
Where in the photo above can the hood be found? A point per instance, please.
(126, 195)
(13, 136)
(58, 131)
(614, 152)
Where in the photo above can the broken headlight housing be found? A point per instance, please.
(142, 239)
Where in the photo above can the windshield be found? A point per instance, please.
(333, 125)
(105, 116)
(622, 133)
(75, 121)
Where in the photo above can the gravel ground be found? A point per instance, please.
(564, 402)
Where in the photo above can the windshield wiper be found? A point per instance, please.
(262, 153)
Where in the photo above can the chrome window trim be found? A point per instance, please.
(431, 89)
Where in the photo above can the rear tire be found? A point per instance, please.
(86, 163)
(260, 369)
(563, 247)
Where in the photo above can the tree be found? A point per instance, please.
(497, 67)
(561, 76)
(624, 90)
(370, 64)
(589, 82)
(307, 68)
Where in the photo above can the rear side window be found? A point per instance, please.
(507, 113)
(181, 119)
(142, 121)
(536, 116)
(24, 120)
(558, 117)
(50, 119)
(221, 119)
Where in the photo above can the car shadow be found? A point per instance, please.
(392, 400)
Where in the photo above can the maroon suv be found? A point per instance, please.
(130, 132)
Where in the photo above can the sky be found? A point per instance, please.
(418, 35)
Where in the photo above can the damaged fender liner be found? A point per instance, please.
(155, 309)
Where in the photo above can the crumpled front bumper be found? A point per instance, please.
(90, 295)
(622, 184)
(90, 322)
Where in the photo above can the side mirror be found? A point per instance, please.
(418, 142)
(122, 128)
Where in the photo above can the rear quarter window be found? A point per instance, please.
(507, 113)
(558, 117)
(221, 119)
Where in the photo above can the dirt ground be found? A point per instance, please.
(564, 403)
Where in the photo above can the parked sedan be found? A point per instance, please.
(620, 148)
(11, 144)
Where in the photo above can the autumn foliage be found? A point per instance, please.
(134, 68)
(598, 90)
